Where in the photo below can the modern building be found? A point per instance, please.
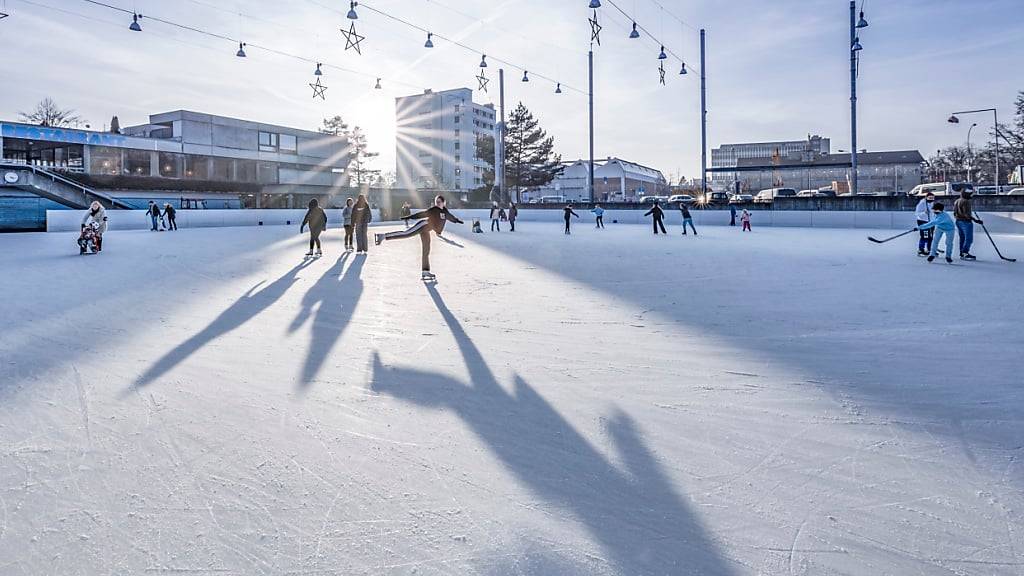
(729, 155)
(878, 172)
(436, 139)
(615, 180)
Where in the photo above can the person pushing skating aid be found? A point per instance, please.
(432, 219)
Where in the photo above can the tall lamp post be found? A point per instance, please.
(995, 116)
(970, 153)
(855, 47)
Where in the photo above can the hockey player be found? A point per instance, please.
(923, 213)
(943, 224)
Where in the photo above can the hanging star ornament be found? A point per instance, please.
(483, 79)
(352, 38)
(318, 89)
(661, 72)
(3, 15)
(595, 29)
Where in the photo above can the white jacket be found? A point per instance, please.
(100, 217)
(924, 210)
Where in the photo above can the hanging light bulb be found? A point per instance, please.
(595, 3)
(558, 88)
(134, 26)
(634, 33)
(862, 23)
(526, 77)
(241, 50)
(318, 72)
(352, 11)
(662, 55)
(483, 61)
(856, 45)
(683, 69)
(377, 87)
(429, 43)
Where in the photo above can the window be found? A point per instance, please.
(136, 162)
(288, 143)
(245, 170)
(456, 132)
(197, 167)
(457, 119)
(104, 161)
(222, 170)
(268, 142)
(457, 145)
(170, 165)
(266, 173)
(458, 159)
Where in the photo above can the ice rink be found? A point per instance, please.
(787, 401)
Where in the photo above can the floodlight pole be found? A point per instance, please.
(703, 121)
(590, 179)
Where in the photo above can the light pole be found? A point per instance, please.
(995, 136)
(703, 120)
(855, 47)
(970, 153)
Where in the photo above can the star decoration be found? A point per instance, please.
(352, 38)
(318, 89)
(595, 29)
(483, 79)
(3, 15)
(661, 72)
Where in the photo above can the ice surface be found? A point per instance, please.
(782, 402)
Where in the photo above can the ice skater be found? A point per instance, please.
(965, 220)
(732, 215)
(361, 218)
(171, 215)
(598, 216)
(346, 217)
(316, 219)
(943, 224)
(658, 218)
(154, 215)
(94, 224)
(477, 229)
(745, 219)
(568, 217)
(431, 219)
(513, 213)
(495, 217)
(687, 218)
(406, 210)
(923, 214)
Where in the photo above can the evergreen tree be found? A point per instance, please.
(358, 150)
(115, 125)
(530, 161)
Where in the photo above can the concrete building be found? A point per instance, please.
(878, 172)
(615, 180)
(436, 139)
(729, 155)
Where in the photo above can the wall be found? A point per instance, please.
(71, 220)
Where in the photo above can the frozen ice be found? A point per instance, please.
(786, 401)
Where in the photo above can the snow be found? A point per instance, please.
(787, 401)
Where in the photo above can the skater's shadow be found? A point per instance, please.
(244, 309)
(450, 241)
(632, 511)
(337, 292)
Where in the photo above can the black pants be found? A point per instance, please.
(314, 239)
(171, 223)
(421, 229)
(348, 235)
(732, 220)
(659, 223)
(495, 225)
(925, 243)
(567, 231)
(512, 223)
(362, 243)
(600, 222)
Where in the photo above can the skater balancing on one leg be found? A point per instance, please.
(687, 218)
(316, 219)
(923, 213)
(658, 216)
(568, 215)
(965, 220)
(346, 216)
(745, 219)
(361, 218)
(431, 220)
(598, 216)
(943, 225)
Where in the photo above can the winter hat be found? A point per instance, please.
(313, 203)
(938, 207)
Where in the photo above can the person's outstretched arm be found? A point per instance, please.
(418, 215)
(453, 217)
(648, 213)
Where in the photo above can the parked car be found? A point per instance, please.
(741, 198)
(770, 194)
(986, 190)
(807, 194)
(826, 193)
(941, 189)
(652, 199)
(684, 198)
(550, 200)
(715, 198)
(1014, 192)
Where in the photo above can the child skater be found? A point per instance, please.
(476, 226)
(316, 218)
(432, 219)
(745, 219)
(568, 214)
(943, 226)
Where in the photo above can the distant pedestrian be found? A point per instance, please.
(154, 216)
(495, 218)
(965, 220)
(687, 218)
(316, 218)
(171, 214)
(568, 215)
(732, 215)
(477, 229)
(513, 213)
(943, 225)
(923, 214)
(406, 210)
(346, 217)
(745, 219)
(658, 218)
(361, 218)
(598, 216)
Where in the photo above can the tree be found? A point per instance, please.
(1011, 146)
(48, 113)
(530, 161)
(358, 150)
(115, 125)
(952, 163)
(485, 151)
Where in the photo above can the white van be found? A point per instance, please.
(941, 189)
(769, 195)
(551, 200)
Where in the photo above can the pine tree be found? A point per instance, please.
(530, 161)
(358, 150)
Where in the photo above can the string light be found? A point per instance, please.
(377, 87)
(483, 61)
(134, 26)
(662, 55)
(634, 33)
(558, 89)
(241, 50)
(429, 43)
(352, 11)
(317, 72)
(526, 77)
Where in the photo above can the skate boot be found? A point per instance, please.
(967, 256)
(378, 238)
(921, 252)
(932, 258)
(949, 260)
(428, 276)
(319, 253)
(309, 254)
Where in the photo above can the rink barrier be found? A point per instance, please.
(71, 220)
(997, 222)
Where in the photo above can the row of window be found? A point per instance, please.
(273, 142)
(107, 161)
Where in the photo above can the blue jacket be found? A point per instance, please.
(598, 211)
(942, 221)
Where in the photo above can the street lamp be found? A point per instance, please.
(953, 119)
(970, 153)
(856, 23)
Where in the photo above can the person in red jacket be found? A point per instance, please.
(431, 220)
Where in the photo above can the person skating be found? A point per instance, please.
(495, 217)
(316, 219)
(406, 210)
(361, 218)
(687, 218)
(95, 218)
(923, 214)
(346, 216)
(171, 214)
(432, 219)
(965, 220)
(154, 215)
(568, 215)
(658, 220)
(745, 219)
(513, 213)
(943, 224)
(477, 229)
(598, 216)
(732, 215)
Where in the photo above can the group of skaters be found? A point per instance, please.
(356, 217)
(498, 215)
(166, 218)
(934, 224)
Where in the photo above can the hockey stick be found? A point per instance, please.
(994, 242)
(883, 241)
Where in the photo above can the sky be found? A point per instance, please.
(775, 71)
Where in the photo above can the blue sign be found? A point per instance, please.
(68, 135)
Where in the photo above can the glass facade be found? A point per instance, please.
(137, 162)
(170, 165)
(223, 169)
(105, 161)
(197, 167)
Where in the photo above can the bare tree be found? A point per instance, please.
(48, 113)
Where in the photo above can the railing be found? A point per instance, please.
(87, 192)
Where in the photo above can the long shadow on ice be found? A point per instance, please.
(337, 294)
(241, 311)
(634, 513)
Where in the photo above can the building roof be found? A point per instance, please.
(627, 166)
(835, 160)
